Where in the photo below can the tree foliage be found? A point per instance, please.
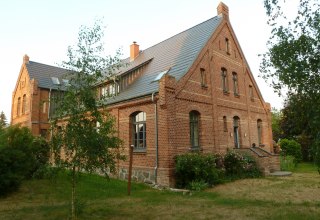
(291, 147)
(84, 135)
(293, 62)
(3, 120)
(21, 156)
(293, 57)
(276, 117)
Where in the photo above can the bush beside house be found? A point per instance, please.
(196, 171)
(22, 156)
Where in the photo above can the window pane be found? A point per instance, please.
(194, 129)
(139, 130)
(196, 135)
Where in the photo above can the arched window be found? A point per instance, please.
(259, 128)
(224, 77)
(24, 104)
(225, 125)
(18, 106)
(139, 134)
(235, 84)
(194, 128)
(236, 125)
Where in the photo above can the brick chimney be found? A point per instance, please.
(134, 50)
(223, 9)
(25, 59)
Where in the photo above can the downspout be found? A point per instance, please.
(49, 119)
(49, 105)
(156, 137)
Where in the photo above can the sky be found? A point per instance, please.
(43, 29)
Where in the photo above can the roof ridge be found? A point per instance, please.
(215, 17)
(48, 65)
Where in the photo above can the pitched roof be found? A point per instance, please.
(175, 55)
(43, 74)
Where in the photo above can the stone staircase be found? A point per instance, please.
(268, 162)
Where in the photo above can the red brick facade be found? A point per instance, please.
(218, 86)
(176, 99)
(34, 113)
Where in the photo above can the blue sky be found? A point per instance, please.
(44, 29)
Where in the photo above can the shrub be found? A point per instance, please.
(287, 163)
(240, 166)
(21, 155)
(196, 167)
(291, 147)
(12, 169)
(197, 185)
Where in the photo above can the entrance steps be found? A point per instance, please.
(268, 162)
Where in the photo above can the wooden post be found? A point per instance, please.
(130, 169)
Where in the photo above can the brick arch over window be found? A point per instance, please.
(138, 130)
(194, 120)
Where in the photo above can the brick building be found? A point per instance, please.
(30, 98)
(191, 92)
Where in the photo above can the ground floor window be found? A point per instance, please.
(139, 130)
(236, 135)
(194, 128)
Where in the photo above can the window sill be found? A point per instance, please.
(204, 86)
(195, 149)
(236, 95)
(226, 92)
(139, 151)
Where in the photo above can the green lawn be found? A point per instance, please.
(295, 197)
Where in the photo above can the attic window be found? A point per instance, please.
(65, 82)
(160, 75)
(251, 93)
(203, 78)
(227, 46)
(55, 81)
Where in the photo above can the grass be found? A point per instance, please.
(295, 197)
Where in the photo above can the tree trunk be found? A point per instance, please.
(73, 194)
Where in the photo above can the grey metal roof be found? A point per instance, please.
(43, 74)
(177, 53)
(174, 55)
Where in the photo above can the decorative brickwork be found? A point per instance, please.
(202, 89)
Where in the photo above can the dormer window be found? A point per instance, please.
(66, 82)
(109, 90)
(55, 80)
